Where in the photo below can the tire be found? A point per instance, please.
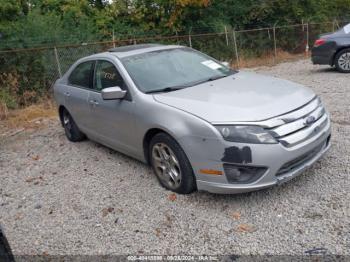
(173, 174)
(5, 249)
(342, 61)
(70, 128)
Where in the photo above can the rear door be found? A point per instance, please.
(77, 94)
(113, 119)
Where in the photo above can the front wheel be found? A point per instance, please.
(342, 61)
(171, 165)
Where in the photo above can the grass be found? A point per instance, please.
(28, 117)
(268, 59)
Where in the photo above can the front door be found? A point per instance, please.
(113, 120)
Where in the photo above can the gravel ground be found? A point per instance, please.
(58, 197)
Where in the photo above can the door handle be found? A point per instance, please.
(93, 102)
(67, 94)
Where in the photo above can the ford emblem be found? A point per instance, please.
(310, 120)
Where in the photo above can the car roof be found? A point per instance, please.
(130, 50)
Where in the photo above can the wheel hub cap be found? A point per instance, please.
(344, 61)
(67, 124)
(166, 165)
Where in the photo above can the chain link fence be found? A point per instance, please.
(27, 75)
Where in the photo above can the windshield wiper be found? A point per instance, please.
(174, 88)
(166, 89)
(213, 78)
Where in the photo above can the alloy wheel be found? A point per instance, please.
(166, 165)
(344, 61)
(67, 124)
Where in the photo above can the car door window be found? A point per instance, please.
(81, 75)
(107, 75)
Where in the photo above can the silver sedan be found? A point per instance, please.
(198, 123)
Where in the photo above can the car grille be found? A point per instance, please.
(301, 124)
(301, 160)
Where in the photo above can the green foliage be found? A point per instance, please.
(25, 23)
(35, 23)
(7, 99)
(8, 89)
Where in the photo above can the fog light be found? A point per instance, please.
(243, 174)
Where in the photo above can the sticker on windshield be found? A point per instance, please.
(211, 64)
(347, 29)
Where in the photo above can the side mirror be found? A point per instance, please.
(227, 64)
(113, 93)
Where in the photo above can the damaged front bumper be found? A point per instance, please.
(281, 163)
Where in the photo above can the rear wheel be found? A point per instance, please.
(71, 129)
(171, 165)
(342, 61)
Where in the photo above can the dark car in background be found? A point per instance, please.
(333, 49)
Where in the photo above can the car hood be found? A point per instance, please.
(244, 96)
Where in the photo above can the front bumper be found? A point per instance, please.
(210, 154)
(220, 188)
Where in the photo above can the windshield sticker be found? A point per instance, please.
(211, 64)
(347, 29)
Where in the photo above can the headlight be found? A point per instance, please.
(246, 134)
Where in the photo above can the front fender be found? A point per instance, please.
(177, 123)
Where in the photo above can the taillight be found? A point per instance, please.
(319, 42)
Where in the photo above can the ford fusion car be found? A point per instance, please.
(333, 49)
(198, 123)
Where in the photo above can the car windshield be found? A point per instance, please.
(172, 69)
